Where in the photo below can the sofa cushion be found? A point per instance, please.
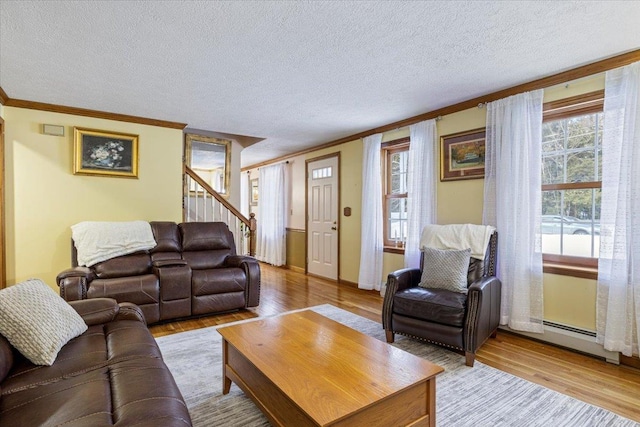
(206, 236)
(36, 321)
(118, 340)
(128, 265)
(200, 260)
(167, 235)
(445, 269)
(433, 305)
(112, 375)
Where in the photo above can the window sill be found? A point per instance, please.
(393, 250)
(569, 270)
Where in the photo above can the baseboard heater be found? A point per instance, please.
(573, 338)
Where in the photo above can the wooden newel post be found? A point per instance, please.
(252, 234)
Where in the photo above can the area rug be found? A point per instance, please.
(478, 396)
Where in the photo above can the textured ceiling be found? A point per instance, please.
(295, 73)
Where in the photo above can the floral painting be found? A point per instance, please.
(105, 153)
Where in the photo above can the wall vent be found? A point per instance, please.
(570, 328)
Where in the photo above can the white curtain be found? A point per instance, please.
(270, 246)
(512, 204)
(618, 290)
(421, 187)
(371, 240)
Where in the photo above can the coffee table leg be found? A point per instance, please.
(431, 401)
(226, 382)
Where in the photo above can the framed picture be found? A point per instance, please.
(253, 192)
(97, 152)
(462, 155)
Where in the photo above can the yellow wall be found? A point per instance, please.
(567, 300)
(44, 198)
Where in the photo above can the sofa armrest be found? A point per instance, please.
(251, 268)
(96, 311)
(130, 311)
(483, 317)
(74, 282)
(397, 281)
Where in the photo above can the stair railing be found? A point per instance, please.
(202, 203)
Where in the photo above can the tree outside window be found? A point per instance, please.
(572, 180)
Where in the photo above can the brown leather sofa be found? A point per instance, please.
(111, 375)
(192, 271)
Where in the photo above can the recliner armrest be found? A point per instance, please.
(96, 311)
(405, 278)
(85, 272)
(397, 281)
(483, 316)
(238, 260)
(74, 282)
(251, 268)
(484, 282)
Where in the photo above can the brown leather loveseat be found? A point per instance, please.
(111, 375)
(192, 271)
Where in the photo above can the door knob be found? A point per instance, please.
(334, 228)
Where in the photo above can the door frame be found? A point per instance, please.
(306, 210)
(3, 240)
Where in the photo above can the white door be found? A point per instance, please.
(322, 217)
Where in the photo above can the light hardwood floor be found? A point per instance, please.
(616, 388)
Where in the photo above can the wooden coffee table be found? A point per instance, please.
(303, 369)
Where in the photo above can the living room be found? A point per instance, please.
(43, 198)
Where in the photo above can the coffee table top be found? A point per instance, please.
(326, 368)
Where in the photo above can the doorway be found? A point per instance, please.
(322, 216)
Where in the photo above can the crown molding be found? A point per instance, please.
(32, 105)
(542, 83)
(3, 96)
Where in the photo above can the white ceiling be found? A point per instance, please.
(298, 73)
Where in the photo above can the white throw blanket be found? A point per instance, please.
(457, 236)
(99, 241)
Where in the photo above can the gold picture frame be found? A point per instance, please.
(462, 155)
(210, 158)
(104, 153)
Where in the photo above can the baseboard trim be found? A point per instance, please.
(634, 361)
(295, 268)
(570, 340)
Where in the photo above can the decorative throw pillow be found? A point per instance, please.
(445, 269)
(36, 321)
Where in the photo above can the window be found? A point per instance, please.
(395, 155)
(572, 180)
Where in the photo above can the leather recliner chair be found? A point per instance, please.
(459, 321)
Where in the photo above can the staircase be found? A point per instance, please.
(202, 203)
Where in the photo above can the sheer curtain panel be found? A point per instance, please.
(618, 290)
(371, 241)
(270, 246)
(512, 204)
(421, 187)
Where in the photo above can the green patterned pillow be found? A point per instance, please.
(445, 269)
(36, 321)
